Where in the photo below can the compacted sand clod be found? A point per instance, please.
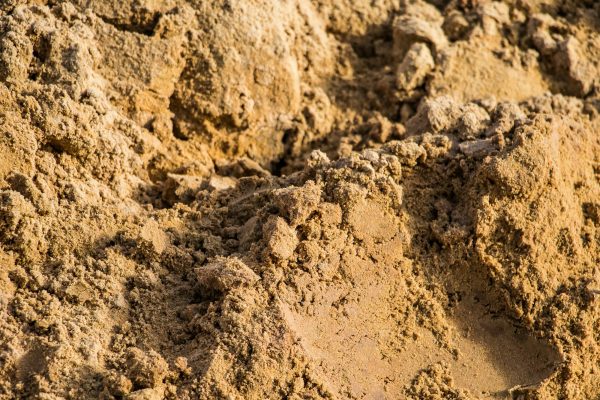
(300, 199)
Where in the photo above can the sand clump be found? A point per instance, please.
(299, 199)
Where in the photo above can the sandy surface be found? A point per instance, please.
(299, 199)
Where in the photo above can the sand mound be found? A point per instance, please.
(299, 199)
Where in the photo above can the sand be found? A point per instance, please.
(299, 199)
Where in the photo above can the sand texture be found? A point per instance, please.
(300, 199)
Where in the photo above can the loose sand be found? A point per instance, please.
(299, 199)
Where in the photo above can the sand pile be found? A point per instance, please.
(300, 199)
